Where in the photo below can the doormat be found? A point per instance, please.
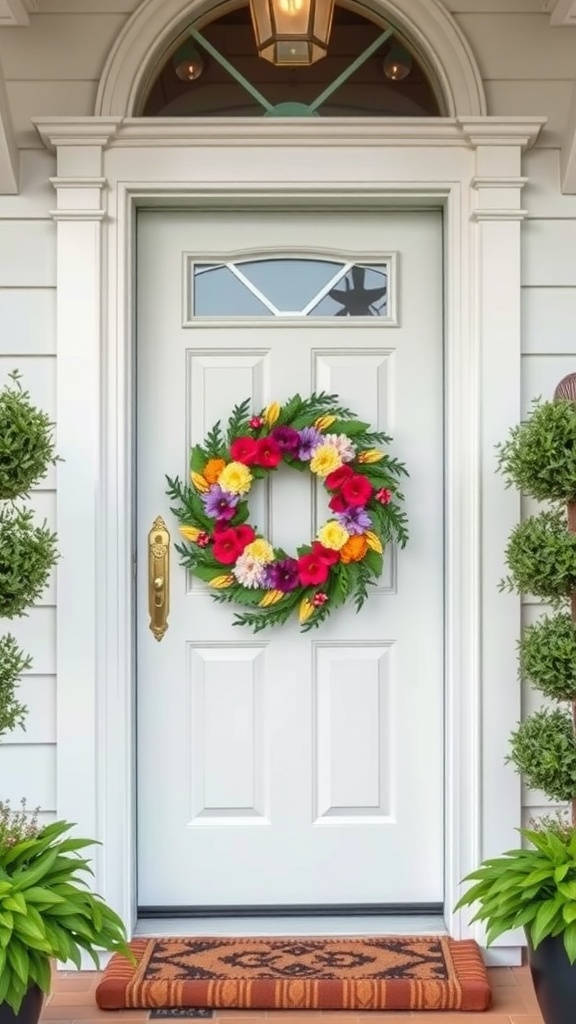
(379, 973)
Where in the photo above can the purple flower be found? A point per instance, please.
(355, 520)
(283, 575)
(219, 504)
(310, 438)
(287, 439)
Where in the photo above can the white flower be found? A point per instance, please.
(249, 571)
(342, 444)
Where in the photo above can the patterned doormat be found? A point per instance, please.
(383, 973)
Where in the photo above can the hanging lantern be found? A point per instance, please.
(292, 32)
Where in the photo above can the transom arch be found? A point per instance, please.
(431, 30)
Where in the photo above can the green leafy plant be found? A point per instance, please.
(533, 888)
(27, 554)
(26, 442)
(541, 557)
(539, 456)
(12, 664)
(47, 910)
(548, 656)
(543, 749)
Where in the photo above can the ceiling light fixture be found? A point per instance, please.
(188, 63)
(292, 32)
(397, 64)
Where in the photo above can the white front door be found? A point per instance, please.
(285, 768)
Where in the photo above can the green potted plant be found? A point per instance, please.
(535, 887)
(47, 911)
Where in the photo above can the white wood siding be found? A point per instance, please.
(53, 66)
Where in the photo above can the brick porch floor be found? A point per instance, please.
(514, 1002)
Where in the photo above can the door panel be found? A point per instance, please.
(285, 768)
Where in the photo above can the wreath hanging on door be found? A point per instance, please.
(220, 547)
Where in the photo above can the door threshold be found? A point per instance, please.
(384, 924)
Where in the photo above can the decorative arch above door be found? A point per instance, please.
(425, 27)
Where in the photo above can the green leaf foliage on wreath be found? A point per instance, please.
(212, 509)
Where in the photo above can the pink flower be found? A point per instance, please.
(326, 554)
(312, 570)
(335, 480)
(244, 450)
(384, 496)
(203, 539)
(256, 422)
(268, 453)
(319, 599)
(357, 490)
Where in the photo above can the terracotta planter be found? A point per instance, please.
(554, 979)
(29, 1012)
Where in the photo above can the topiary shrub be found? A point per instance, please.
(541, 557)
(539, 457)
(548, 656)
(27, 551)
(543, 749)
(26, 442)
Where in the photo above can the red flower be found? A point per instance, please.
(335, 480)
(203, 539)
(384, 496)
(256, 422)
(245, 535)
(268, 453)
(226, 548)
(326, 554)
(319, 599)
(229, 544)
(244, 450)
(312, 569)
(357, 490)
(337, 503)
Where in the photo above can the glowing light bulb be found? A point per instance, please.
(291, 7)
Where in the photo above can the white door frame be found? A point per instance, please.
(107, 167)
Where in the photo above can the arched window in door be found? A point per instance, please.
(213, 70)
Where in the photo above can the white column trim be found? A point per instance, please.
(9, 157)
(473, 170)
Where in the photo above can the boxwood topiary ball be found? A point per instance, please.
(548, 656)
(539, 456)
(543, 749)
(26, 442)
(27, 554)
(541, 557)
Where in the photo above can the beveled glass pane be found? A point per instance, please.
(290, 284)
(363, 291)
(217, 292)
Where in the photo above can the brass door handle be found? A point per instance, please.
(159, 577)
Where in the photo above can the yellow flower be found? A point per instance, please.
(221, 582)
(372, 455)
(325, 460)
(200, 482)
(323, 422)
(305, 610)
(272, 597)
(235, 478)
(190, 532)
(373, 542)
(261, 550)
(212, 470)
(271, 413)
(332, 535)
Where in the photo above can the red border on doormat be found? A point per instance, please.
(408, 973)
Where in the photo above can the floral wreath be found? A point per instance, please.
(238, 563)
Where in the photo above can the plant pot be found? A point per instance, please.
(554, 979)
(29, 1012)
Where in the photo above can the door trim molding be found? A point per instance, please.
(473, 170)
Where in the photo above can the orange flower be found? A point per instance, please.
(212, 470)
(354, 549)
